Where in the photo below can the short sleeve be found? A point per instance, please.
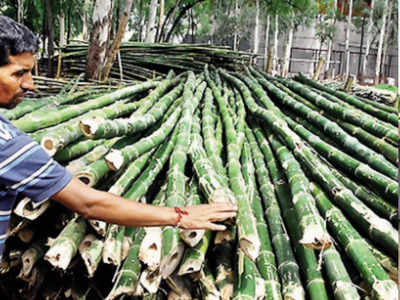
(28, 171)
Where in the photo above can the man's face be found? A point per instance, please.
(16, 79)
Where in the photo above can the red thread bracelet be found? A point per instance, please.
(180, 213)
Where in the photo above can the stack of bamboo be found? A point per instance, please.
(313, 172)
(147, 61)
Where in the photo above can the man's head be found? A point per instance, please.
(17, 46)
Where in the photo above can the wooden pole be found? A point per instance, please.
(349, 83)
(319, 68)
(270, 60)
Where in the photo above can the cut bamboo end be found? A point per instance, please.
(114, 160)
(26, 210)
(150, 248)
(86, 178)
(112, 252)
(28, 261)
(223, 237)
(385, 290)
(250, 246)
(122, 290)
(191, 237)
(90, 126)
(26, 235)
(293, 292)
(316, 238)
(50, 145)
(99, 226)
(170, 262)
(150, 281)
(90, 249)
(59, 256)
(191, 266)
(75, 167)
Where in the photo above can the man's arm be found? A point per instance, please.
(94, 204)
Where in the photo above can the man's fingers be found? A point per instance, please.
(222, 216)
(216, 227)
(224, 207)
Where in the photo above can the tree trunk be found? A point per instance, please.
(266, 42)
(330, 44)
(181, 14)
(167, 20)
(361, 47)
(162, 15)
(85, 29)
(50, 38)
(367, 42)
(235, 36)
(99, 38)
(380, 45)
(69, 24)
(61, 18)
(141, 17)
(117, 41)
(387, 38)
(151, 26)
(288, 48)
(256, 27)
(348, 38)
(275, 60)
(20, 13)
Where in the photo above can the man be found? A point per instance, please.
(27, 171)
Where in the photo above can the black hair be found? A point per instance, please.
(15, 38)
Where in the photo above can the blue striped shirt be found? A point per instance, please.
(26, 170)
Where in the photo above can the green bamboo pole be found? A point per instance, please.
(65, 246)
(346, 98)
(356, 248)
(28, 124)
(76, 149)
(246, 223)
(342, 286)
(57, 138)
(314, 232)
(92, 156)
(117, 159)
(379, 230)
(306, 257)
(343, 160)
(287, 266)
(97, 170)
(266, 259)
(194, 258)
(91, 249)
(208, 121)
(250, 285)
(128, 277)
(349, 143)
(211, 183)
(192, 236)
(99, 128)
(176, 179)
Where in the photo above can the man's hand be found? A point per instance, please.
(203, 216)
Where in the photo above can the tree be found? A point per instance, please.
(368, 44)
(347, 41)
(380, 45)
(99, 38)
(151, 25)
(117, 41)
